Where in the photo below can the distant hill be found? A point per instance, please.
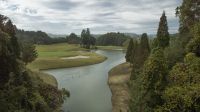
(133, 35)
(112, 39)
(56, 35)
(36, 37)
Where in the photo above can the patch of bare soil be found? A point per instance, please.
(119, 76)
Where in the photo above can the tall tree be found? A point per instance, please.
(129, 52)
(154, 79)
(144, 48)
(29, 53)
(88, 36)
(188, 14)
(11, 30)
(83, 40)
(162, 39)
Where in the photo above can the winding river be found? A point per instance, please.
(88, 85)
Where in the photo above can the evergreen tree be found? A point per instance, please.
(129, 52)
(88, 40)
(83, 38)
(10, 29)
(154, 79)
(162, 39)
(189, 15)
(194, 44)
(144, 48)
(29, 53)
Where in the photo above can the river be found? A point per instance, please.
(89, 91)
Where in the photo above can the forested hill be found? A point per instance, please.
(112, 39)
(36, 37)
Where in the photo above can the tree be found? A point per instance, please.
(144, 48)
(194, 44)
(86, 38)
(154, 79)
(29, 53)
(73, 39)
(10, 29)
(183, 92)
(93, 41)
(162, 39)
(112, 39)
(129, 51)
(189, 15)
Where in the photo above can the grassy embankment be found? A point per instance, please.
(46, 78)
(53, 56)
(111, 47)
(118, 81)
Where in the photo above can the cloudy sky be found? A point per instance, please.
(101, 16)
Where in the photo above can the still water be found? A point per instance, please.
(88, 85)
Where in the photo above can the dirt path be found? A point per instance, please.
(118, 79)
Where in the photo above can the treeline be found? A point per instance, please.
(112, 39)
(167, 78)
(22, 90)
(86, 39)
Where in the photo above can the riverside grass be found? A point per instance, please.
(111, 47)
(50, 57)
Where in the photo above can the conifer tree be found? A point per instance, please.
(83, 40)
(29, 53)
(10, 29)
(88, 38)
(129, 52)
(144, 48)
(154, 78)
(163, 34)
(189, 15)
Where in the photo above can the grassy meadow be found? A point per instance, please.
(51, 57)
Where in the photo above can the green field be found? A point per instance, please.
(51, 57)
(110, 47)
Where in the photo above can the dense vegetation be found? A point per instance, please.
(38, 37)
(87, 40)
(167, 79)
(20, 89)
(73, 39)
(112, 39)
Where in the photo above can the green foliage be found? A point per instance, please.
(19, 90)
(112, 39)
(29, 53)
(174, 53)
(87, 39)
(182, 95)
(154, 78)
(194, 44)
(162, 39)
(189, 15)
(73, 39)
(129, 52)
(144, 48)
(140, 53)
(38, 37)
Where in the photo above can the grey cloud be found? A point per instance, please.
(100, 15)
(61, 4)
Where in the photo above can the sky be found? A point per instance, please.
(101, 16)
